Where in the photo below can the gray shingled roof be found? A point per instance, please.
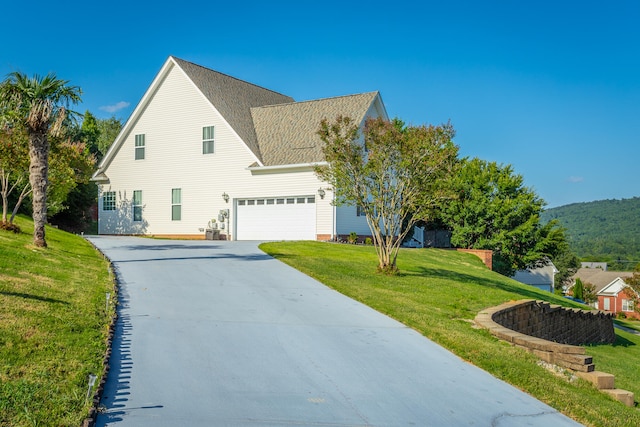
(598, 277)
(287, 132)
(233, 98)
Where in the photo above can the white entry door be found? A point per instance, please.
(276, 218)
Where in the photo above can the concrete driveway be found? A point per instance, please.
(215, 333)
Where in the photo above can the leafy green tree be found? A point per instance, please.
(552, 244)
(39, 106)
(578, 289)
(70, 165)
(589, 293)
(90, 132)
(392, 172)
(494, 210)
(109, 130)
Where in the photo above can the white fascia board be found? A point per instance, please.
(133, 118)
(378, 99)
(613, 288)
(285, 168)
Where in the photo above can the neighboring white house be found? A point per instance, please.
(203, 150)
(540, 277)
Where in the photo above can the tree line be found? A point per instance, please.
(603, 230)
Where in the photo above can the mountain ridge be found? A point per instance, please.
(606, 230)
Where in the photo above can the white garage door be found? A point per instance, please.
(276, 218)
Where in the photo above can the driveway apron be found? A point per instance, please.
(216, 333)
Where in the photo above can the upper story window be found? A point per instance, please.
(176, 204)
(207, 140)
(137, 205)
(360, 211)
(109, 201)
(140, 144)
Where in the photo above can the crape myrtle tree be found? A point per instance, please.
(39, 106)
(394, 173)
(69, 166)
(14, 174)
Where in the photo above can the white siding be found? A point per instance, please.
(172, 123)
(348, 221)
(171, 117)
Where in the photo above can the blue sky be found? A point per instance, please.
(550, 87)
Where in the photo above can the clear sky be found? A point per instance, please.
(550, 87)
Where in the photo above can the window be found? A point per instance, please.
(280, 201)
(270, 201)
(311, 199)
(109, 201)
(300, 200)
(140, 147)
(176, 204)
(291, 201)
(360, 211)
(627, 305)
(137, 205)
(607, 304)
(241, 202)
(207, 140)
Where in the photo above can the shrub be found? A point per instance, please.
(353, 237)
(368, 241)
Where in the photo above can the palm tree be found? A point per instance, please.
(40, 106)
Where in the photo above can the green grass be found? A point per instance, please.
(629, 323)
(439, 292)
(53, 326)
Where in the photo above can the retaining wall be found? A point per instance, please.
(554, 334)
(558, 324)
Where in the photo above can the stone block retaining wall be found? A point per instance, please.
(554, 323)
(553, 333)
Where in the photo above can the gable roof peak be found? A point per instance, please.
(233, 99)
(180, 62)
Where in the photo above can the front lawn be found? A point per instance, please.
(439, 292)
(53, 326)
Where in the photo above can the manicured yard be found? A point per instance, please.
(53, 323)
(53, 327)
(439, 292)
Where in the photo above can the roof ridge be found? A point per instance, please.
(316, 100)
(227, 75)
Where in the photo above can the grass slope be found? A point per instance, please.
(53, 326)
(439, 293)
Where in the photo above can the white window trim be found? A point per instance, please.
(137, 205)
(105, 199)
(178, 204)
(140, 146)
(209, 142)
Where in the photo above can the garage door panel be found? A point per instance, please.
(282, 218)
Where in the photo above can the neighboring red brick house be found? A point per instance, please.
(618, 297)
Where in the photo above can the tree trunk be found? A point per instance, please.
(24, 193)
(38, 176)
(5, 194)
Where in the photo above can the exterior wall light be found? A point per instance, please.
(321, 192)
(225, 196)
